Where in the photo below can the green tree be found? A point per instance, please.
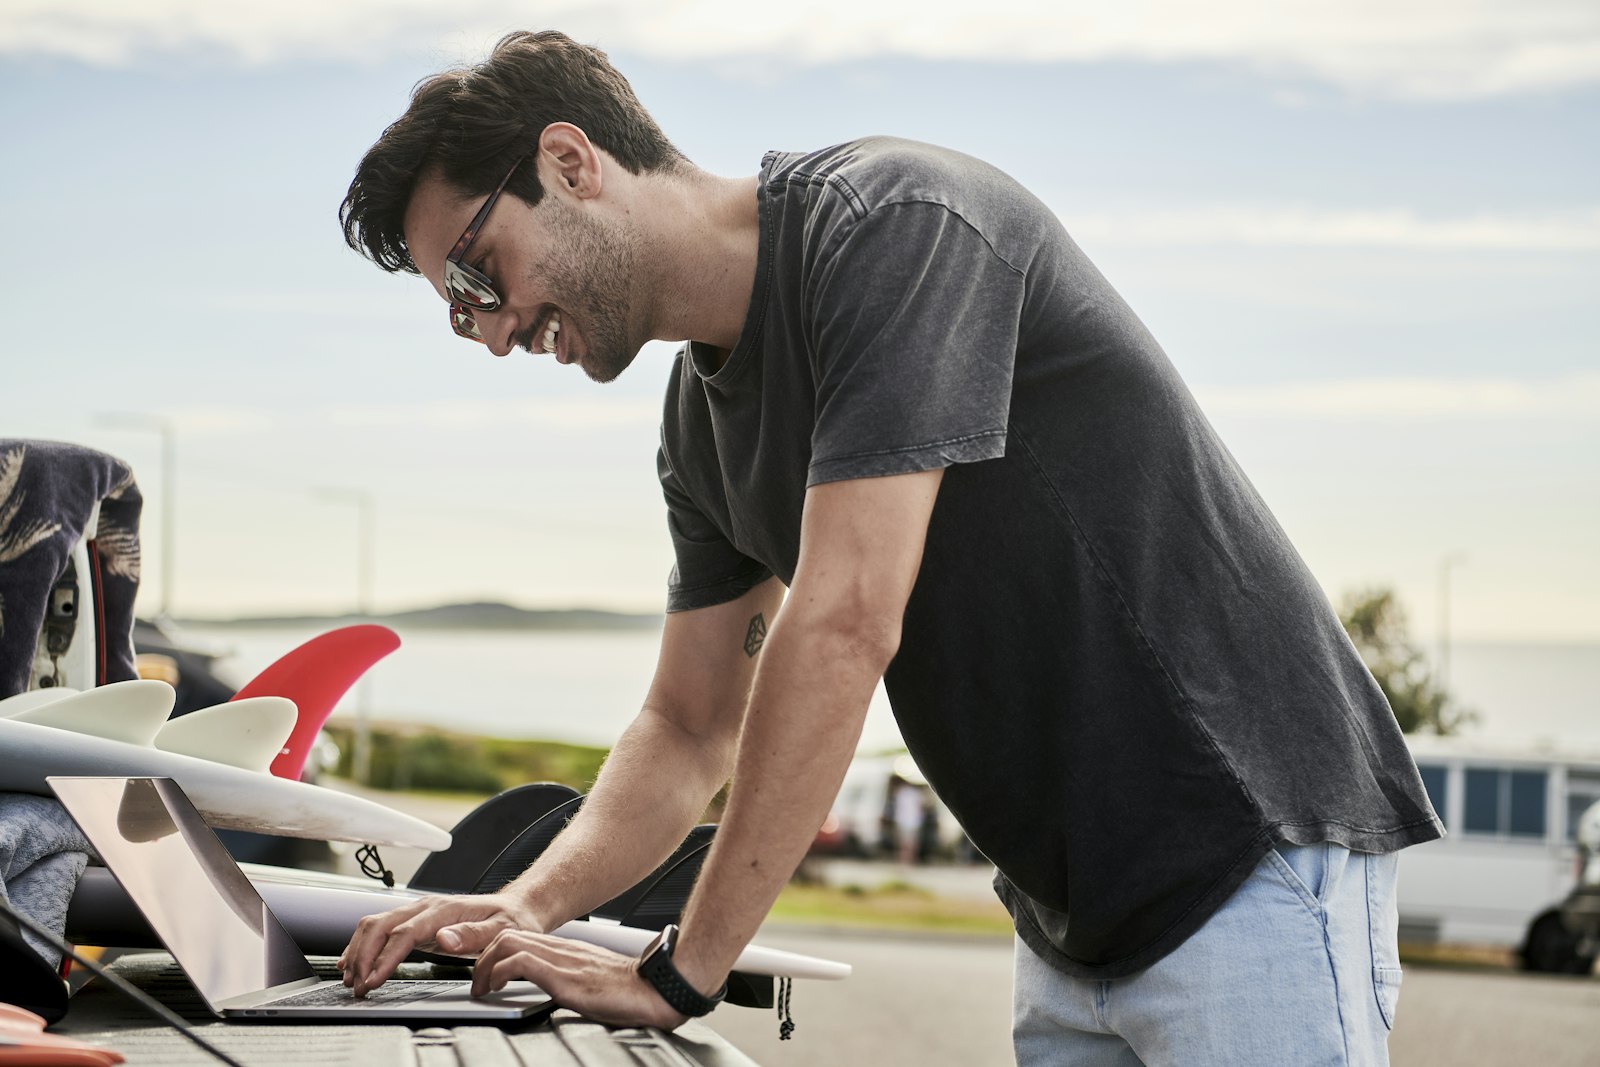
(1376, 624)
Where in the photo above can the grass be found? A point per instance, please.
(892, 905)
(1475, 957)
(898, 906)
(425, 759)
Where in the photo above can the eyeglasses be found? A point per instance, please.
(468, 288)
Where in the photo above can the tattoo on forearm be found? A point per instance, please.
(756, 635)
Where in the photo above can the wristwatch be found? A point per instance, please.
(656, 967)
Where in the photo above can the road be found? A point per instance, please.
(923, 1002)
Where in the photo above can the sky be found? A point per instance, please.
(1368, 236)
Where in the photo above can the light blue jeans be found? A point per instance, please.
(1300, 967)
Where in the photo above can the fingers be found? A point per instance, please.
(371, 934)
(403, 938)
(518, 954)
(363, 930)
(470, 938)
(518, 965)
(593, 981)
(503, 948)
(382, 942)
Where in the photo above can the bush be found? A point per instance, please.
(424, 758)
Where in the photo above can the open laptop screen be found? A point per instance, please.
(181, 877)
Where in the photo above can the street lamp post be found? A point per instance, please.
(1446, 562)
(366, 568)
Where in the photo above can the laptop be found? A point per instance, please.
(238, 955)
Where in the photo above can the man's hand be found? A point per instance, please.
(453, 925)
(595, 982)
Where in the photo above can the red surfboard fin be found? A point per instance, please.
(315, 675)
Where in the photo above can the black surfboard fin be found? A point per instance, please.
(526, 846)
(660, 897)
(484, 833)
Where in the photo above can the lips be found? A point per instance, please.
(563, 343)
(548, 336)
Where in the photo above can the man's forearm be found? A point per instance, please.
(653, 788)
(806, 709)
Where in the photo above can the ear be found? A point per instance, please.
(569, 161)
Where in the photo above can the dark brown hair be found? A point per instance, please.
(472, 124)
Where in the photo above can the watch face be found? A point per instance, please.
(663, 942)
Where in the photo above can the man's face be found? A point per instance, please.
(562, 272)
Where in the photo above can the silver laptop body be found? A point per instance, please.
(238, 955)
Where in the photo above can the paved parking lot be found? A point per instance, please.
(920, 1002)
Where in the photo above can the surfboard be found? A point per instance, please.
(230, 798)
(321, 912)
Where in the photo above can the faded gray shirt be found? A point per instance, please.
(1114, 668)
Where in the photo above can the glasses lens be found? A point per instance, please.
(469, 288)
(462, 322)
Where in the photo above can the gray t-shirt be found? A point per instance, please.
(1114, 668)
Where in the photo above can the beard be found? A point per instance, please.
(592, 264)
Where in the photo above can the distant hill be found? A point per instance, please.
(479, 616)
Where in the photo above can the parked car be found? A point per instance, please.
(1580, 912)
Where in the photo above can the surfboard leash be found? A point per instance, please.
(372, 865)
(122, 985)
(785, 1020)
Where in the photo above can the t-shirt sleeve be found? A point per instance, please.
(916, 319)
(709, 570)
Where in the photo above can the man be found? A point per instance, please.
(909, 398)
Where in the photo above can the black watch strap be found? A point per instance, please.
(657, 968)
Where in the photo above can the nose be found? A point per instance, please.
(498, 329)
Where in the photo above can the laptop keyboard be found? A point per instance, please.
(337, 995)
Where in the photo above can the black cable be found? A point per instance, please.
(140, 997)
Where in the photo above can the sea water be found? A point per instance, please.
(578, 686)
(585, 686)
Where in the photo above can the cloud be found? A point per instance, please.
(1571, 231)
(1409, 399)
(1450, 49)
